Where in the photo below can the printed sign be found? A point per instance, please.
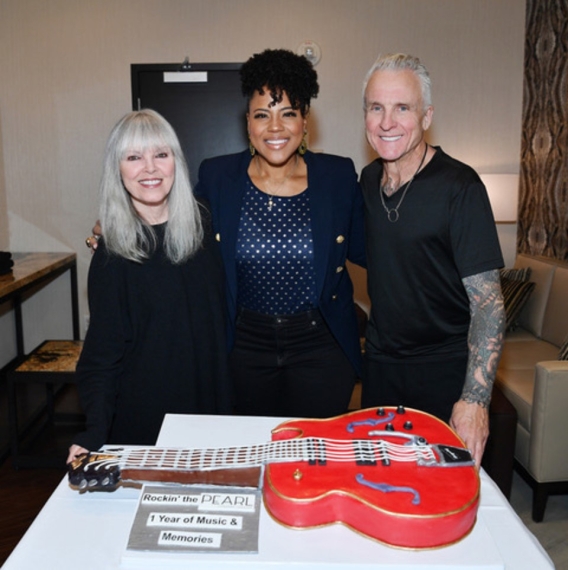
(196, 519)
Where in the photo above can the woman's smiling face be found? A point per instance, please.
(148, 176)
(275, 129)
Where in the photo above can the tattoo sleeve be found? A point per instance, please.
(486, 334)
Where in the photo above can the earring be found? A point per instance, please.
(251, 148)
(303, 145)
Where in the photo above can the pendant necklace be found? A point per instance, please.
(392, 213)
(273, 193)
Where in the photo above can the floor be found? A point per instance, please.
(23, 493)
(552, 532)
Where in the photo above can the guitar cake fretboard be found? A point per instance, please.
(310, 450)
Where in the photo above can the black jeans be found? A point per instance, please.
(432, 387)
(289, 365)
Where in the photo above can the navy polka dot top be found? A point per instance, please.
(275, 254)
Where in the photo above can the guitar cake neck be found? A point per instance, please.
(241, 466)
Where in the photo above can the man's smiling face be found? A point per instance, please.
(395, 118)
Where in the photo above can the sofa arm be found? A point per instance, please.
(549, 422)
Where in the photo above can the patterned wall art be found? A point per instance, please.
(543, 195)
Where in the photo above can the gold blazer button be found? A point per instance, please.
(339, 239)
(218, 237)
(339, 269)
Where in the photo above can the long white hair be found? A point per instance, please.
(125, 232)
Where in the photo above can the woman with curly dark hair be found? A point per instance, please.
(287, 219)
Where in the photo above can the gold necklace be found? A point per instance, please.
(388, 210)
(272, 193)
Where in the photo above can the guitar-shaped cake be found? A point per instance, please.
(397, 475)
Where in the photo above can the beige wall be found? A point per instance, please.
(64, 81)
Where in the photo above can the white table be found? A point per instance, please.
(90, 531)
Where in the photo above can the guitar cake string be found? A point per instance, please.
(279, 451)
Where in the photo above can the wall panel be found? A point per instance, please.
(543, 198)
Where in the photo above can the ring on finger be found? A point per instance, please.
(89, 242)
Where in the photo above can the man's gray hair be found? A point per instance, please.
(401, 62)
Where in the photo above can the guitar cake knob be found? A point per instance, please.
(298, 475)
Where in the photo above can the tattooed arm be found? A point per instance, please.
(470, 415)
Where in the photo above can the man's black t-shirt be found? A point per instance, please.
(445, 232)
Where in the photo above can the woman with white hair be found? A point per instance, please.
(156, 339)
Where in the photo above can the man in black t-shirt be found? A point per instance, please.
(437, 321)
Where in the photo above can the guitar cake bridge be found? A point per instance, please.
(429, 455)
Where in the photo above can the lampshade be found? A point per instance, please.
(503, 191)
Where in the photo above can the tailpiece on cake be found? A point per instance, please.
(397, 475)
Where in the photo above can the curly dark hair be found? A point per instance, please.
(280, 71)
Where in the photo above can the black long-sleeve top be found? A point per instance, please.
(155, 344)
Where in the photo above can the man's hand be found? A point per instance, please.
(471, 422)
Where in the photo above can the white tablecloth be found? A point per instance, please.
(90, 531)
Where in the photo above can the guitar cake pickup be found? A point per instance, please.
(380, 471)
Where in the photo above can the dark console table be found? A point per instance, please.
(29, 271)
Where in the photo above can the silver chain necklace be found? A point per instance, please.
(394, 218)
(273, 193)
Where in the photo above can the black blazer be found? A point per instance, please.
(337, 228)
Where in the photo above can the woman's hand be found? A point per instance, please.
(74, 451)
(93, 241)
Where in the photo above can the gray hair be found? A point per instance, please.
(400, 62)
(125, 232)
